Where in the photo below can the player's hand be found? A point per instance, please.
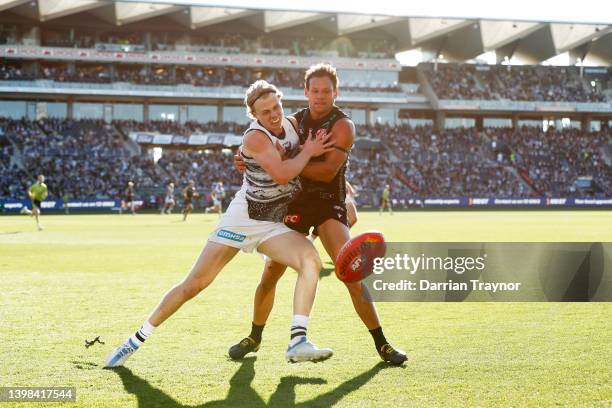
(320, 144)
(280, 149)
(239, 162)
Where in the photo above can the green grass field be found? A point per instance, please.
(100, 275)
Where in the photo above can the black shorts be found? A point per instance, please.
(37, 204)
(187, 202)
(303, 214)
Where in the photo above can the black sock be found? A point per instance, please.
(379, 337)
(256, 332)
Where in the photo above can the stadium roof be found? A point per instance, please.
(459, 32)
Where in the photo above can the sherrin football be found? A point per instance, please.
(350, 264)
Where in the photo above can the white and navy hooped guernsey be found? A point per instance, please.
(169, 194)
(256, 213)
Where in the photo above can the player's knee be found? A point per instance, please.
(353, 287)
(310, 261)
(271, 276)
(359, 291)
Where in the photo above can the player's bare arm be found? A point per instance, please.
(257, 145)
(343, 134)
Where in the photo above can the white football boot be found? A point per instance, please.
(121, 353)
(304, 350)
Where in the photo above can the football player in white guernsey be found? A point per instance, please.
(217, 195)
(169, 201)
(254, 220)
(351, 205)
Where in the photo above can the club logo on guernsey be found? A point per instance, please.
(231, 235)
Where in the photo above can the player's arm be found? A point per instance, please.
(238, 162)
(241, 166)
(257, 145)
(30, 192)
(351, 189)
(343, 134)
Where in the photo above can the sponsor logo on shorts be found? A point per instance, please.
(231, 235)
(292, 218)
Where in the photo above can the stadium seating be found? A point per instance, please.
(170, 75)
(90, 159)
(515, 83)
(267, 44)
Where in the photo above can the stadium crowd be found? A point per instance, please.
(173, 127)
(553, 160)
(91, 159)
(516, 83)
(446, 163)
(228, 42)
(204, 167)
(80, 159)
(168, 75)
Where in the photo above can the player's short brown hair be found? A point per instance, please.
(321, 71)
(257, 90)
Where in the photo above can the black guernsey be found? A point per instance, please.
(189, 191)
(318, 201)
(336, 189)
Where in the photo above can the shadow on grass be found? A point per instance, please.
(242, 394)
(327, 269)
(84, 365)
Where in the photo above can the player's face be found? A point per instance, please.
(269, 112)
(321, 95)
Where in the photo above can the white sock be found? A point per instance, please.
(299, 326)
(142, 334)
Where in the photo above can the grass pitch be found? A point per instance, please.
(100, 275)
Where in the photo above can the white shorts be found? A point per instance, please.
(350, 200)
(169, 200)
(217, 202)
(237, 230)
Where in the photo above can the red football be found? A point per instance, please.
(351, 262)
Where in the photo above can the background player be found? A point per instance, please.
(189, 193)
(217, 194)
(319, 205)
(37, 194)
(128, 199)
(169, 202)
(385, 200)
(351, 205)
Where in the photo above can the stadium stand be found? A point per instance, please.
(90, 159)
(516, 83)
(235, 43)
(420, 129)
(168, 75)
